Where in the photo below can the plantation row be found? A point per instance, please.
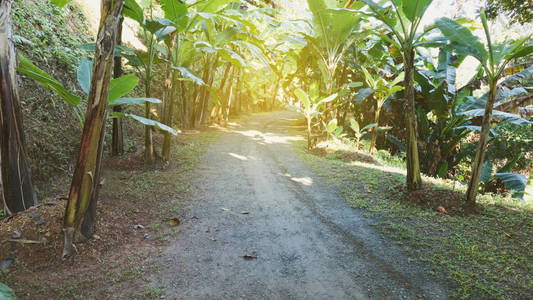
(355, 70)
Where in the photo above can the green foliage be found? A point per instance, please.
(43, 78)
(518, 10)
(145, 121)
(510, 141)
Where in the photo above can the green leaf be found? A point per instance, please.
(121, 86)
(130, 101)
(175, 11)
(486, 172)
(470, 44)
(354, 84)
(133, 11)
(520, 52)
(304, 98)
(371, 125)
(413, 9)
(327, 99)
(188, 75)
(362, 94)
(500, 115)
(60, 3)
(85, 71)
(145, 121)
(27, 68)
(332, 126)
(514, 182)
(354, 125)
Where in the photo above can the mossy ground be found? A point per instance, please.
(488, 254)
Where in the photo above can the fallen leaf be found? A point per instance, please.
(441, 209)
(174, 222)
(251, 255)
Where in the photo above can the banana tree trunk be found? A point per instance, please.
(205, 108)
(414, 179)
(80, 213)
(227, 95)
(375, 129)
(477, 165)
(169, 118)
(117, 142)
(148, 143)
(309, 134)
(16, 179)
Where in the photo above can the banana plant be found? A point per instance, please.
(493, 59)
(403, 18)
(359, 132)
(310, 106)
(381, 91)
(332, 28)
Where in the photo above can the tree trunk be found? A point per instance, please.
(414, 179)
(117, 143)
(203, 94)
(477, 165)
(81, 205)
(375, 129)
(228, 95)
(309, 134)
(148, 143)
(16, 179)
(169, 116)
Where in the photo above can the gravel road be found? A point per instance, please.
(261, 225)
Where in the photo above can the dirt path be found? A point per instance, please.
(310, 243)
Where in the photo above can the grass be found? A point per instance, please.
(485, 255)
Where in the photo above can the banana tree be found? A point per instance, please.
(358, 131)
(494, 59)
(80, 213)
(16, 180)
(332, 28)
(381, 90)
(310, 106)
(403, 18)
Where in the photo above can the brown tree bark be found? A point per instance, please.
(81, 205)
(477, 165)
(16, 179)
(117, 142)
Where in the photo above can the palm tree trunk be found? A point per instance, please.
(477, 165)
(414, 179)
(16, 179)
(117, 142)
(81, 205)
